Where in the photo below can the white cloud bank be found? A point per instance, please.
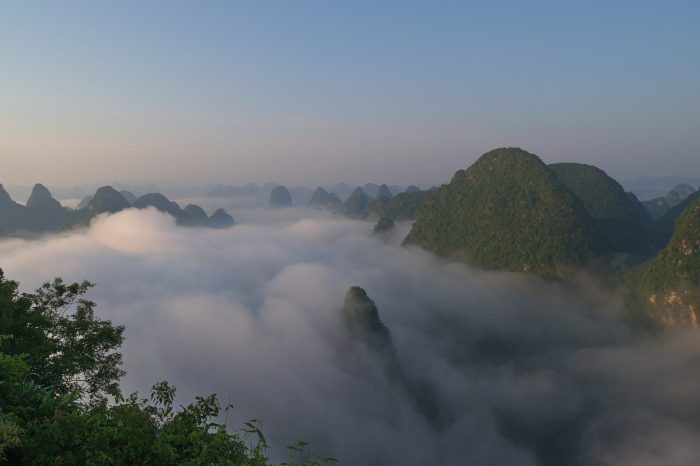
(511, 370)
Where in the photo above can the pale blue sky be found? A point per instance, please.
(315, 92)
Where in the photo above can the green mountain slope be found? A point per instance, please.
(663, 228)
(616, 216)
(509, 211)
(668, 286)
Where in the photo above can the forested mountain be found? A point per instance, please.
(509, 211)
(617, 218)
(663, 227)
(44, 214)
(668, 286)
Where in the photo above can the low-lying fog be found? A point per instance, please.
(502, 369)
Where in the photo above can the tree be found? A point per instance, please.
(65, 346)
(60, 402)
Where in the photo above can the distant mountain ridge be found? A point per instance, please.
(658, 207)
(44, 214)
(258, 195)
(401, 207)
(646, 188)
(323, 199)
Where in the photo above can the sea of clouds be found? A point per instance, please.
(498, 368)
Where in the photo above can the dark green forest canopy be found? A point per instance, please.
(678, 264)
(509, 211)
(615, 215)
(664, 227)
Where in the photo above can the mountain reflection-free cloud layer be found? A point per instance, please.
(513, 370)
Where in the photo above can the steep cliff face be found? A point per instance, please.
(667, 287)
(361, 318)
(675, 307)
(370, 344)
(664, 227)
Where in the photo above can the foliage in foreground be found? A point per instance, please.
(60, 402)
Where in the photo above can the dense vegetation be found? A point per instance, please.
(508, 211)
(616, 217)
(60, 402)
(668, 285)
(663, 228)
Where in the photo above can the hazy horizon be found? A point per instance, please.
(305, 92)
